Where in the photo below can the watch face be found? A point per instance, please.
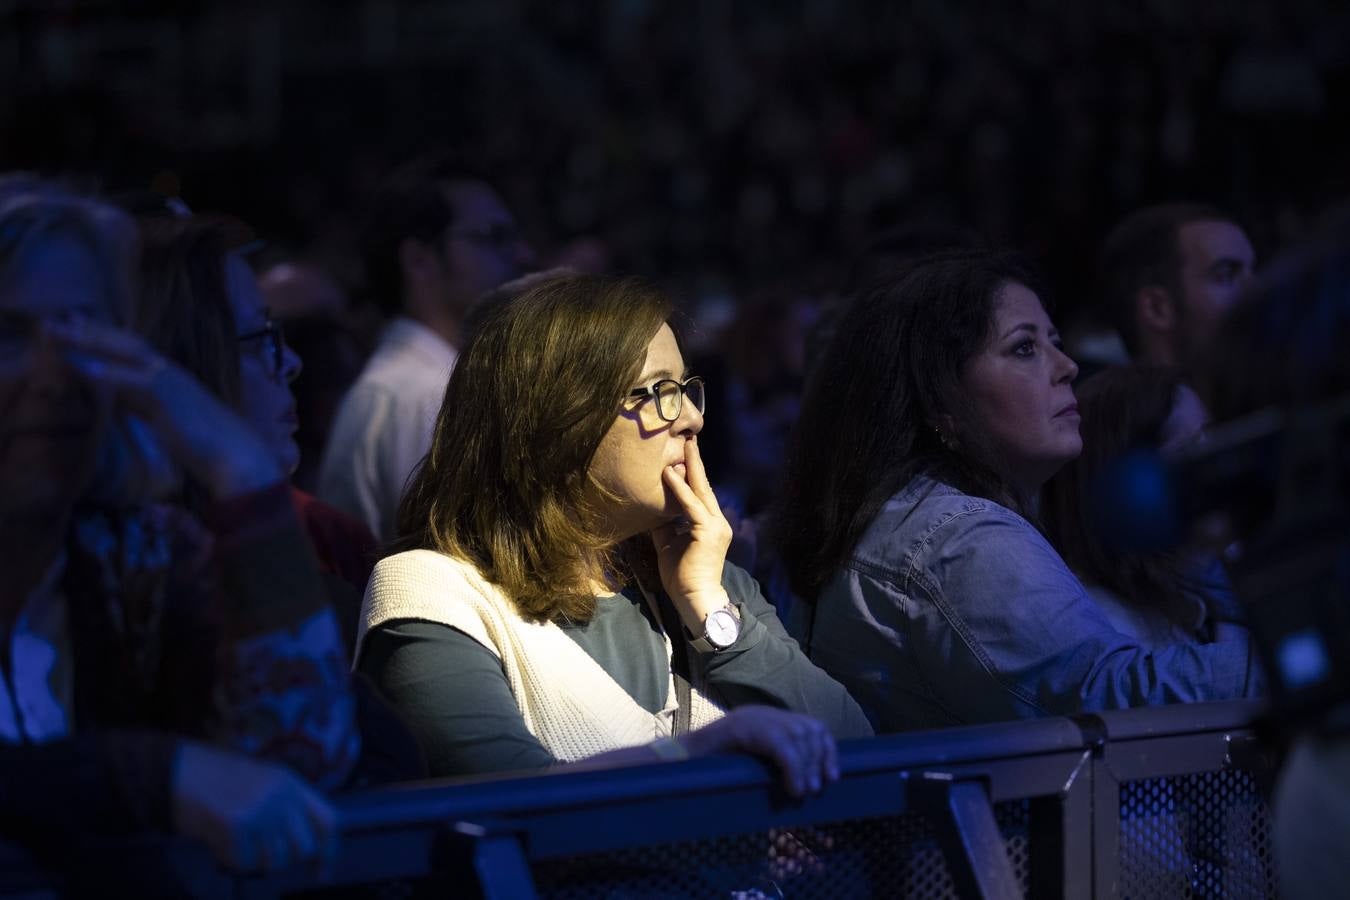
(722, 627)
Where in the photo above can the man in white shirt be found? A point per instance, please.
(436, 242)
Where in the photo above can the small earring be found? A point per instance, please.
(942, 437)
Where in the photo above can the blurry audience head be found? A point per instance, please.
(587, 254)
(490, 302)
(516, 479)
(889, 251)
(886, 254)
(435, 240)
(1123, 409)
(201, 307)
(952, 369)
(1284, 345)
(297, 290)
(26, 184)
(61, 258)
(1168, 274)
(766, 343)
(755, 386)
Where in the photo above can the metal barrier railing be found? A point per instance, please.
(1158, 802)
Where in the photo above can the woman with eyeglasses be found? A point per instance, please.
(559, 588)
(200, 305)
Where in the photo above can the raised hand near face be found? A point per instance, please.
(202, 435)
(691, 550)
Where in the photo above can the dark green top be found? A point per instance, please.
(454, 693)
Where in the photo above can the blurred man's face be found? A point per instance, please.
(1216, 263)
(483, 247)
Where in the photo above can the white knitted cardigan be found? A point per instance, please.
(569, 702)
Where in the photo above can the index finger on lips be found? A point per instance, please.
(693, 505)
(698, 475)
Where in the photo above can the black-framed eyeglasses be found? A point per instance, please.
(275, 345)
(670, 395)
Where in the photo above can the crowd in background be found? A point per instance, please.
(718, 147)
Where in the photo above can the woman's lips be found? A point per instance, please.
(1070, 410)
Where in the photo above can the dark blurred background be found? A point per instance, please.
(718, 144)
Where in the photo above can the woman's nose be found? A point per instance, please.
(291, 364)
(690, 420)
(1067, 369)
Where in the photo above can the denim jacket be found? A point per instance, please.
(953, 609)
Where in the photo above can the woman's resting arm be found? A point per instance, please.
(765, 666)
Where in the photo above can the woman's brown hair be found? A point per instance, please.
(506, 484)
(184, 310)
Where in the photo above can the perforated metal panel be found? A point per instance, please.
(881, 857)
(1201, 835)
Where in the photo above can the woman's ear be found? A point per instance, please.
(946, 430)
(1156, 310)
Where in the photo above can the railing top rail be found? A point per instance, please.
(440, 799)
(1180, 719)
(414, 815)
(460, 798)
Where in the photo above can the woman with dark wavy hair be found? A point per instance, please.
(560, 589)
(940, 408)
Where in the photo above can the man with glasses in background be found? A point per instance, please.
(436, 240)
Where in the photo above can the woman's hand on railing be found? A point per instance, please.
(254, 816)
(203, 436)
(800, 747)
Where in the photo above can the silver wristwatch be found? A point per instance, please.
(721, 628)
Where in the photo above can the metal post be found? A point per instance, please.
(493, 853)
(964, 819)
